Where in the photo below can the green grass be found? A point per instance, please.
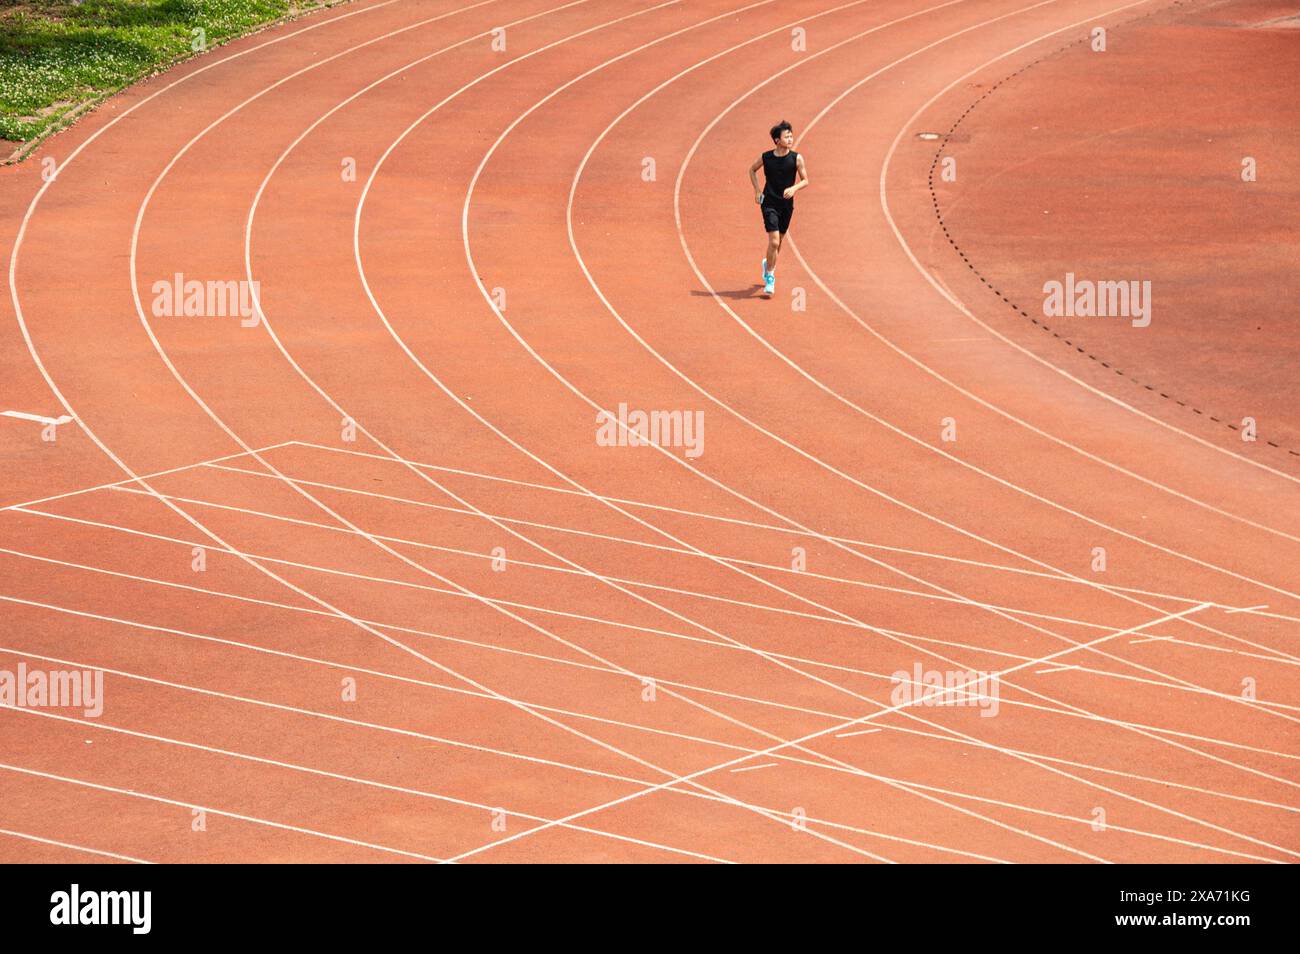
(56, 55)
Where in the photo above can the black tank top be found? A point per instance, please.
(780, 173)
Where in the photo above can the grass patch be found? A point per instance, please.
(56, 56)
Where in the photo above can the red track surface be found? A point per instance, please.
(771, 734)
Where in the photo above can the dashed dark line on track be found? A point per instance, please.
(934, 198)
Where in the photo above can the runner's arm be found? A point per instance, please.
(801, 178)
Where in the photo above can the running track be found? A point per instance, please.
(640, 674)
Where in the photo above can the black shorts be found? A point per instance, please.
(777, 214)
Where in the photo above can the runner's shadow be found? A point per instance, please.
(740, 293)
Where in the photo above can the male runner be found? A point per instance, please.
(781, 168)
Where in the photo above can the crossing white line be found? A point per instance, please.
(100, 725)
(1283, 658)
(513, 604)
(142, 477)
(221, 813)
(698, 554)
(759, 525)
(332, 617)
(38, 418)
(67, 844)
(871, 717)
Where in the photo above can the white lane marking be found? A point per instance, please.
(1280, 660)
(211, 811)
(680, 685)
(64, 844)
(713, 557)
(370, 783)
(875, 715)
(130, 480)
(1143, 729)
(38, 418)
(793, 531)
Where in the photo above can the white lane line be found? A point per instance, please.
(621, 580)
(65, 844)
(790, 530)
(845, 735)
(97, 724)
(362, 781)
(278, 707)
(754, 768)
(129, 480)
(433, 796)
(533, 607)
(37, 418)
(740, 748)
(1043, 672)
(331, 617)
(704, 793)
(875, 715)
(1283, 659)
(902, 591)
(1247, 609)
(695, 553)
(441, 687)
(221, 813)
(371, 783)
